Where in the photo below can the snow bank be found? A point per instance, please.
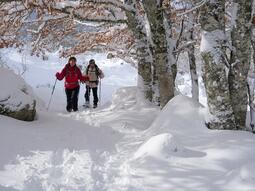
(160, 147)
(16, 98)
(180, 113)
(163, 147)
(127, 98)
(179, 153)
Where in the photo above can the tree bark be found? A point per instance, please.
(193, 69)
(142, 50)
(240, 60)
(171, 44)
(221, 114)
(155, 17)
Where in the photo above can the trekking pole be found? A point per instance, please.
(99, 91)
(52, 94)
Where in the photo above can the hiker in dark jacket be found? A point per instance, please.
(72, 75)
(94, 73)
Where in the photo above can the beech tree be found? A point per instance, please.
(240, 59)
(136, 24)
(226, 79)
(212, 48)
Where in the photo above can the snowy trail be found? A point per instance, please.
(110, 169)
(87, 150)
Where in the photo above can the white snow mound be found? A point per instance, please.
(159, 146)
(127, 98)
(180, 113)
(15, 94)
(163, 147)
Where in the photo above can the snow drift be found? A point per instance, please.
(162, 142)
(181, 113)
(163, 146)
(16, 97)
(179, 153)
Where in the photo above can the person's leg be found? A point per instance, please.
(75, 95)
(94, 90)
(68, 100)
(87, 94)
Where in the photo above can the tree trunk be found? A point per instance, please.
(214, 73)
(143, 52)
(155, 17)
(192, 21)
(171, 44)
(193, 70)
(240, 60)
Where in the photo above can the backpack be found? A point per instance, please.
(97, 70)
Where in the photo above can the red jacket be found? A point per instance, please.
(72, 76)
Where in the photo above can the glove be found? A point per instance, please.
(57, 75)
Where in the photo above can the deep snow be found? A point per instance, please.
(124, 145)
(16, 96)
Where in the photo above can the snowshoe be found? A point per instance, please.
(252, 128)
(86, 105)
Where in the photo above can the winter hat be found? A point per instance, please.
(92, 61)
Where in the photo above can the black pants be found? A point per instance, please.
(72, 98)
(87, 94)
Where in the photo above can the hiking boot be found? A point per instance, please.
(95, 106)
(86, 104)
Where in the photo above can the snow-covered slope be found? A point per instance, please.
(131, 147)
(179, 153)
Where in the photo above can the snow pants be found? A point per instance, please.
(72, 99)
(87, 94)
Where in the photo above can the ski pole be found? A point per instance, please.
(100, 91)
(52, 94)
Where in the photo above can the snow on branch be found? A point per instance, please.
(197, 6)
(115, 3)
(27, 16)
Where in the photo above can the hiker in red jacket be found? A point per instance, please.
(72, 76)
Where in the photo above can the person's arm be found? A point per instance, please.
(62, 74)
(82, 77)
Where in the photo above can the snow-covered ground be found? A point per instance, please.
(124, 145)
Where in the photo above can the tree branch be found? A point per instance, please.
(115, 3)
(69, 11)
